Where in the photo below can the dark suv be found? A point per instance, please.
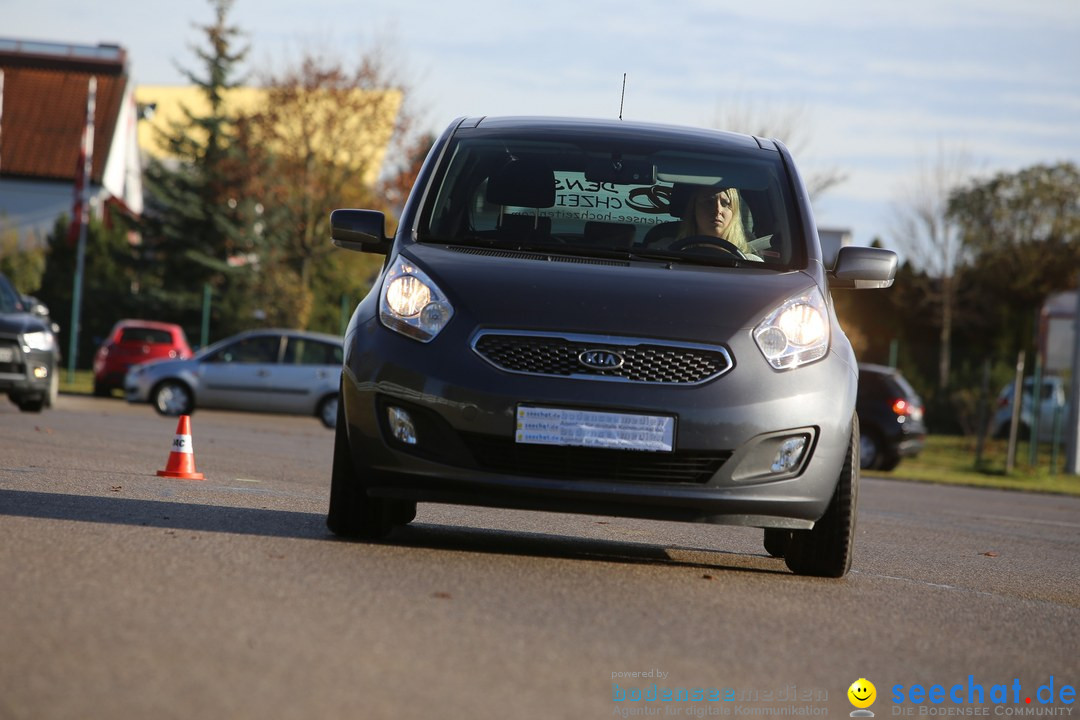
(890, 416)
(28, 353)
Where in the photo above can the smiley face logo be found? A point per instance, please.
(862, 693)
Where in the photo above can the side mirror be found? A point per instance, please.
(361, 230)
(35, 306)
(859, 268)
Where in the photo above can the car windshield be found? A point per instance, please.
(613, 198)
(9, 301)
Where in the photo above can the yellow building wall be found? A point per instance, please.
(169, 101)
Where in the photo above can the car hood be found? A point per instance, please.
(17, 323)
(572, 294)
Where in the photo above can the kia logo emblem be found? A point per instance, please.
(600, 359)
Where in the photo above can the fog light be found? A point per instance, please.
(789, 455)
(41, 372)
(401, 425)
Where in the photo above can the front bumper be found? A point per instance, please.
(25, 374)
(727, 433)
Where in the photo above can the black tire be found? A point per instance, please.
(327, 412)
(826, 550)
(890, 463)
(101, 390)
(32, 404)
(871, 450)
(776, 541)
(54, 390)
(353, 513)
(172, 398)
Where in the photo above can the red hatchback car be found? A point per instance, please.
(131, 342)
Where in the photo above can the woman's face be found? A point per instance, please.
(713, 212)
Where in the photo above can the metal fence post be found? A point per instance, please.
(1018, 401)
(1072, 462)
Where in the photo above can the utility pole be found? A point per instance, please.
(87, 156)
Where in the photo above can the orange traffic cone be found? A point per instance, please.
(182, 458)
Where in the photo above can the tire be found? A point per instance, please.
(890, 463)
(101, 390)
(776, 541)
(54, 390)
(353, 513)
(328, 411)
(32, 404)
(870, 450)
(825, 551)
(172, 398)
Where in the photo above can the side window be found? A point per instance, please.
(262, 349)
(301, 351)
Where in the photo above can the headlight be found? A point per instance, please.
(795, 333)
(41, 340)
(411, 304)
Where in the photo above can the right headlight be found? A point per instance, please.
(411, 303)
(796, 333)
(41, 340)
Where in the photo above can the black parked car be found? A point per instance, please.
(604, 317)
(890, 417)
(29, 355)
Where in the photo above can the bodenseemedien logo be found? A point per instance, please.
(862, 695)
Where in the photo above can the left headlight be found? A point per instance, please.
(796, 333)
(41, 340)
(412, 304)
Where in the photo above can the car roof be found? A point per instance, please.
(617, 129)
(880, 369)
(291, 332)
(155, 324)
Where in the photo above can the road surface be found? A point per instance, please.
(127, 595)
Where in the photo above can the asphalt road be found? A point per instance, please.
(126, 595)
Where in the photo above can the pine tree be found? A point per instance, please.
(197, 223)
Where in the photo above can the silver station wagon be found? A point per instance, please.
(282, 371)
(605, 317)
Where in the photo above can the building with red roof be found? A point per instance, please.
(43, 111)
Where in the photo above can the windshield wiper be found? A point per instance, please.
(715, 260)
(607, 253)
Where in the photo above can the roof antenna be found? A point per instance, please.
(623, 96)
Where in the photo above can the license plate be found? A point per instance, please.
(7, 355)
(589, 428)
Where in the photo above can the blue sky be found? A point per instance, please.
(877, 87)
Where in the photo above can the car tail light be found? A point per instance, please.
(904, 409)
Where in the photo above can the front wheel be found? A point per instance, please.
(32, 404)
(869, 450)
(54, 390)
(776, 541)
(328, 411)
(172, 398)
(353, 513)
(826, 550)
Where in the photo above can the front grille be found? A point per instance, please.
(576, 463)
(642, 361)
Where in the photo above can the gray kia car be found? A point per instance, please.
(604, 317)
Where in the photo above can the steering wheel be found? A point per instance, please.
(706, 241)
